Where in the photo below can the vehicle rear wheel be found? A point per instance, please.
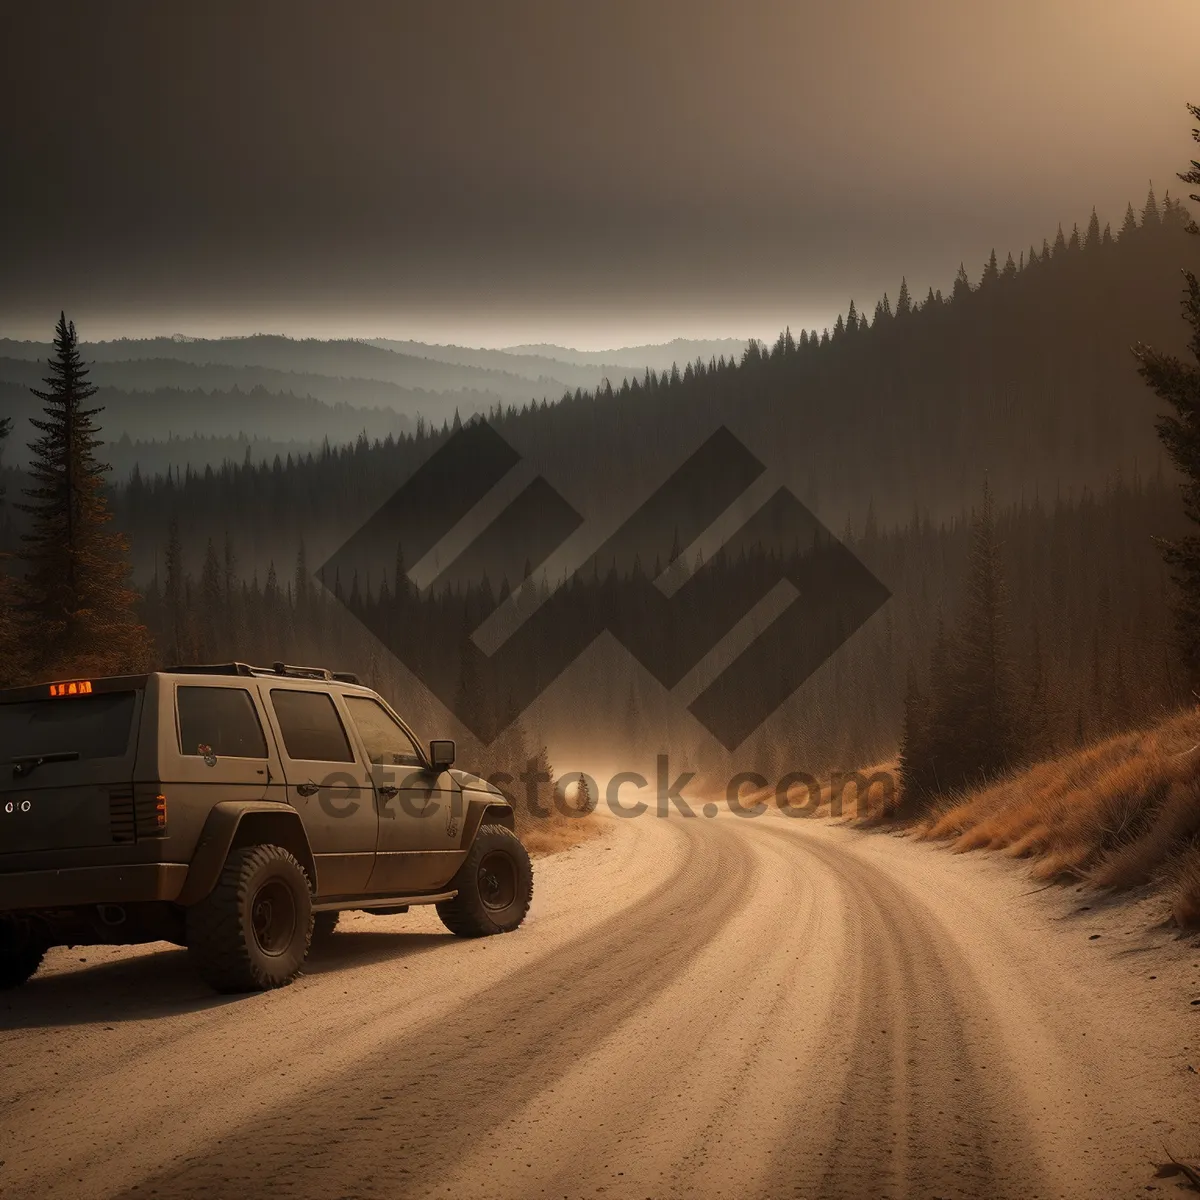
(494, 884)
(20, 954)
(253, 930)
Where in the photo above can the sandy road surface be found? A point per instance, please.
(723, 1007)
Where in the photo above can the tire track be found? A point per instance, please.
(925, 1105)
(389, 1126)
(684, 1099)
(780, 1009)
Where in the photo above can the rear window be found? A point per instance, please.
(312, 730)
(220, 720)
(95, 726)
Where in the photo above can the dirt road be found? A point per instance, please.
(725, 1007)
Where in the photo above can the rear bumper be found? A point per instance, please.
(76, 886)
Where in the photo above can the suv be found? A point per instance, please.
(235, 810)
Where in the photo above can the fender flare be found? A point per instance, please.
(234, 823)
(482, 811)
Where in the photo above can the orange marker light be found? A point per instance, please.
(76, 687)
(160, 810)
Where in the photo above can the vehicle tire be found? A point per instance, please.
(253, 930)
(20, 954)
(495, 886)
(324, 923)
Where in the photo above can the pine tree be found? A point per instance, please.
(1093, 232)
(962, 285)
(1193, 176)
(1174, 215)
(5, 430)
(1150, 217)
(1038, 717)
(302, 581)
(585, 802)
(12, 649)
(1129, 224)
(174, 599)
(73, 601)
(633, 722)
(903, 300)
(914, 757)
(1178, 383)
(212, 600)
(987, 727)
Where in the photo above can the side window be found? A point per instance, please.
(312, 730)
(220, 720)
(386, 742)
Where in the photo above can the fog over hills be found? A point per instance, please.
(180, 401)
(658, 357)
(539, 363)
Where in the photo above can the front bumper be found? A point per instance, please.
(75, 886)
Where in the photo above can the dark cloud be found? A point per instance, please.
(541, 167)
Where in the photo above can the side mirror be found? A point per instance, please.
(441, 753)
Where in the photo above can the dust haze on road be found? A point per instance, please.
(771, 1007)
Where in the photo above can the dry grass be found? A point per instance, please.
(550, 834)
(876, 804)
(1118, 814)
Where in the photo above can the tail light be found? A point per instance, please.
(150, 812)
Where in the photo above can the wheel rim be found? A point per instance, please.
(497, 880)
(273, 917)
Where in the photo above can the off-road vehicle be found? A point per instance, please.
(233, 809)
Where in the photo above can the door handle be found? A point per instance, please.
(308, 789)
(389, 791)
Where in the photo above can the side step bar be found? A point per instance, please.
(335, 904)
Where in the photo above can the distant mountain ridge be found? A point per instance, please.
(154, 374)
(659, 357)
(198, 393)
(343, 358)
(528, 365)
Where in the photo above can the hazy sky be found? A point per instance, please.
(589, 173)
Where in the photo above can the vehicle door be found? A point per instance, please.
(212, 747)
(420, 810)
(328, 784)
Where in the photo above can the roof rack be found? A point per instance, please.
(233, 668)
(279, 668)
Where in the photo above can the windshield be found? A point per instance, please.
(94, 726)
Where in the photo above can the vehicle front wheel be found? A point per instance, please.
(253, 930)
(494, 884)
(20, 954)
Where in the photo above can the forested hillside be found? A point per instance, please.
(887, 426)
(659, 357)
(1025, 377)
(1089, 619)
(198, 402)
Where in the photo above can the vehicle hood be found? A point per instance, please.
(467, 781)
